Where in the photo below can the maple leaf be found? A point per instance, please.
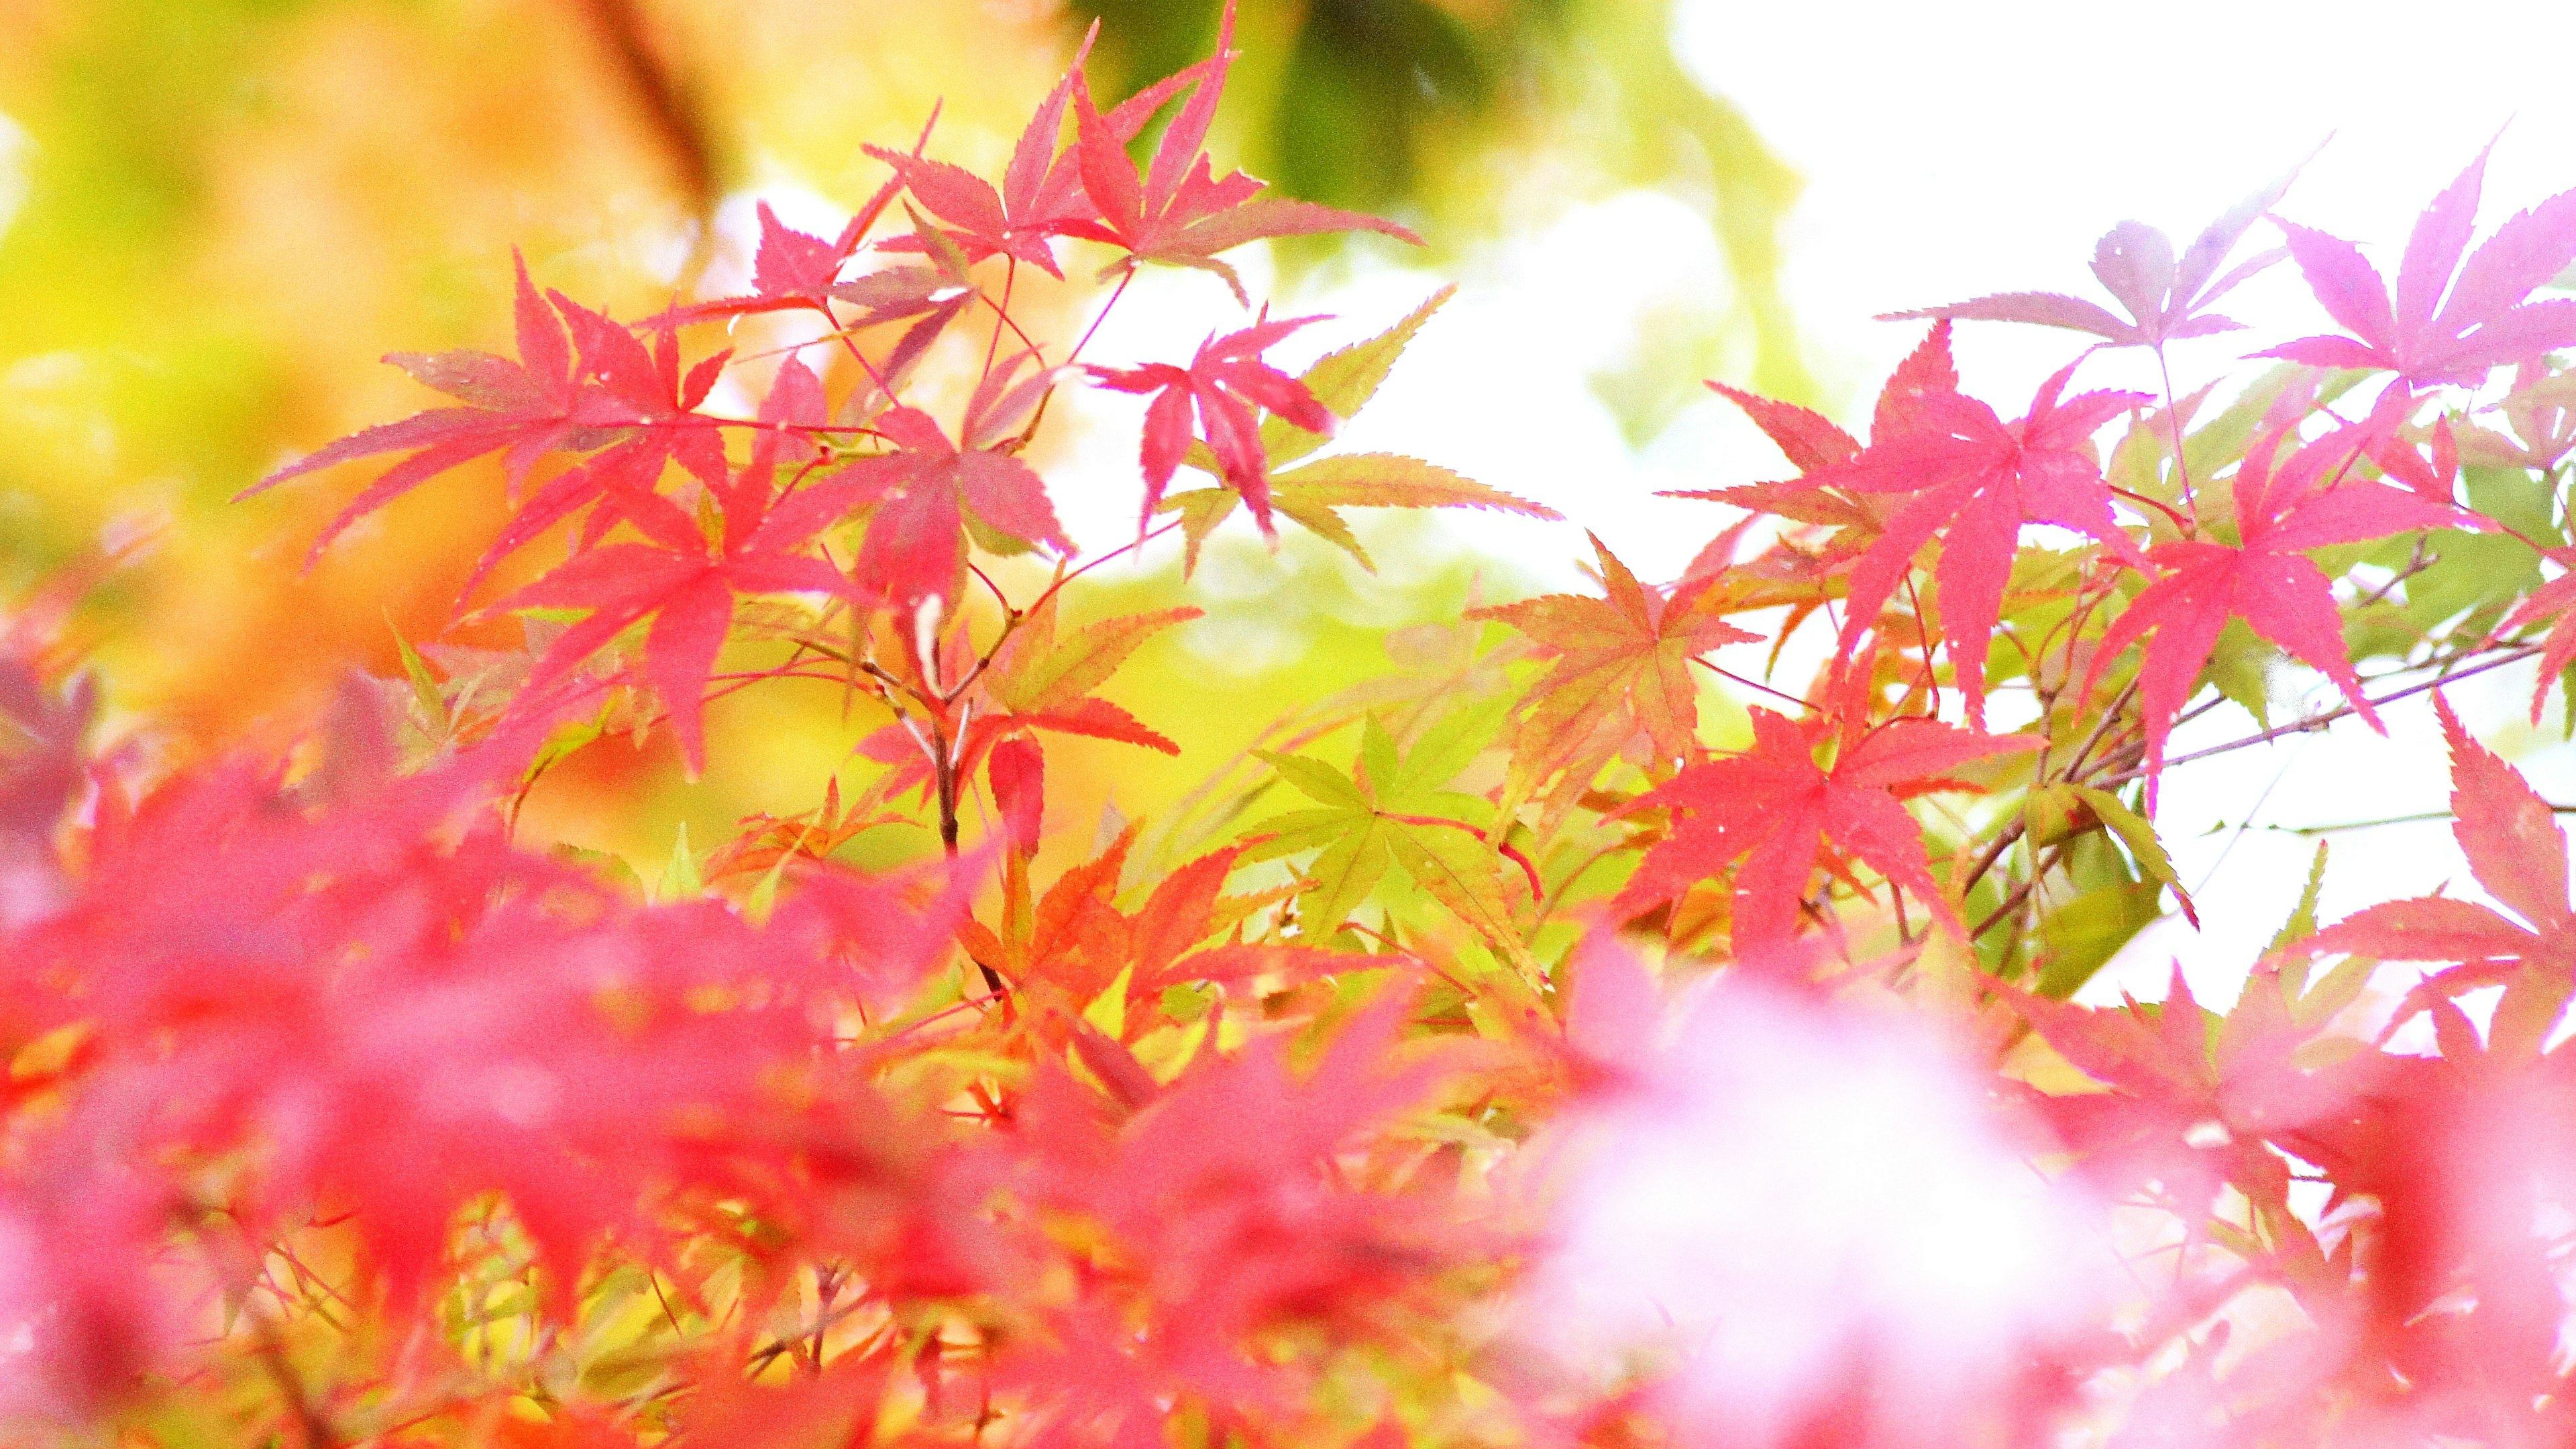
(915, 546)
(1223, 384)
(2268, 581)
(1016, 770)
(2555, 603)
(2459, 1295)
(1975, 480)
(1619, 670)
(2166, 299)
(42, 769)
(657, 404)
(1040, 678)
(1076, 942)
(1044, 679)
(793, 270)
(79, 1238)
(1808, 438)
(1312, 494)
(514, 1073)
(1776, 811)
(2519, 854)
(2171, 1078)
(1188, 930)
(1392, 810)
(766, 840)
(790, 271)
(649, 390)
(648, 386)
(2434, 475)
(794, 405)
(2541, 411)
(2447, 321)
(618, 478)
(226, 853)
(1178, 212)
(1244, 1122)
(378, 1017)
(527, 408)
(1344, 380)
(888, 930)
(1040, 197)
(1812, 441)
(1233, 1216)
(1073, 942)
(687, 588)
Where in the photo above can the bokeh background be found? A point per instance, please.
(215, 215)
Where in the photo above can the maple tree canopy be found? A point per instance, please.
(1585, 1032)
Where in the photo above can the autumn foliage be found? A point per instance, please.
(1568, 1039)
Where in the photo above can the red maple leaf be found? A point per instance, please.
(2435, 476)
(608, 390)
(1775, 809)
(1178, 213)
(372, 1016)
(792, 269)
(1809, 438)
(2519, 853)
(1975, 480)
(915, 546)
(1234, 1218)
(647, 385)
(1813, 442)
(795, 271)
(2269, 582)
(1223, 383)
(81, 1239)
(792, 412)
(688, 588)
(2482, 320)
(2554, 601)
(1016, 769)
(529, 407)
(2170, 1082)
(1014, 760)
(1040, 198)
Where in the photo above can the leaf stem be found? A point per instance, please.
(1733, 677)
(2173, 420)
(1505, 848)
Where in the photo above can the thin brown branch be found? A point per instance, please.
(2321, 721)
(679, 127)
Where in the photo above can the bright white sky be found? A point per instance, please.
(1958, 149)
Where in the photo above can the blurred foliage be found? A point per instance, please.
(216, 215)
(1479, 118)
